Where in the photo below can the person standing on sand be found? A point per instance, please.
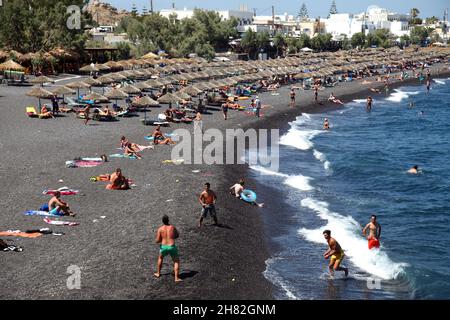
(292, 97)
(316, 93)
(374, 232)
(225, 110)
(369, 104)
(86, 114)
(257, 107)
(208, 201)
(335, 252)
(198, 122)
(165, 237)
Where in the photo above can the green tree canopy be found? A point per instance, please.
(358, 40)
(31, 26)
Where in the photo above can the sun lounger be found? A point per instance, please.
(31, 112)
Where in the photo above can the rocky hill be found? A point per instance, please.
(105, 14)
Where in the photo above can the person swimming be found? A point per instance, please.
(414, 170)
(326, 124)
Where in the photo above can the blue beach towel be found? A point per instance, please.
(121, 155)
(40, 213)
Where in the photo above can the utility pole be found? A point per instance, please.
(273, 19)
(254, 11)
(151, 6)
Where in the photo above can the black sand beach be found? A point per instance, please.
(117, 255)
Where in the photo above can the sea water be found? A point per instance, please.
(337, 179)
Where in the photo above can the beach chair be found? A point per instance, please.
(71, 103)
(31, 112)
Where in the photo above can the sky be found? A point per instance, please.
(316, 8)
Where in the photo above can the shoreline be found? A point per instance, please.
(117, 255)
(281, 119)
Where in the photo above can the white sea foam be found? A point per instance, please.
(278, 280)
(299, 182)
(439, 81)
(399, 95)
(359, 100)
(300, 139)
(322, 158)
(347, 231)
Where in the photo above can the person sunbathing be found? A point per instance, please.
(159, 138)
(123, 142)
(118, 181)
(169, 114)
(131, 149)
(107, 113)
(375, 90)
(45, 113)
(333, 99)
(58, 207)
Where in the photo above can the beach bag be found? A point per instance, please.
(44, 207)
(3, 245)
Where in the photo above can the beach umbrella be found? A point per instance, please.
(62, 90)
(142, 85)
(116, 94)
(40, 93)
(112, 65)
(92, 82)
(130, 89)
(89, 68)
(11, 65)
(96, 97)
(102, 67)
(78, 85)
(191, 90)
(169, 98)
(150, 55)
(182, 95)
(145, 102)
(41, 80)
(105, 80)
(117, 76)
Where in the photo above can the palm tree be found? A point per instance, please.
(414, 12)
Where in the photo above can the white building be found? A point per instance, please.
(243, 16)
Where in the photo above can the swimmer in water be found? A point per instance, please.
(411, 104)
(421, 113)
(326, 124)
(414, 170)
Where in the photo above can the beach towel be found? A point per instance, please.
(60, 223)
(64, 191)
(18, 233)
(176, 161)
(150, 138)
(90, 159)
(31, 112)
(40, 213)
(121, 155)
(82, 164)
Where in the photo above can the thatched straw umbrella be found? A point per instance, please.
(89, 68)
(191, 90)
(62, 91)
(102, 67)
(130, 89)
(92, 82)
(182, 95)
(105, 80)
(96, 97)
(3, 55)
(145, 102)
(78, 85)
(41, 80)
(116, 76)
(116, 94)
(40, 93)
(169, 98)
(10, 65)
(150, 55)
(142, 85)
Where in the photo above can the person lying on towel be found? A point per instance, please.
(159, 138)
(118, 181)
(58, 207)
(45, 113)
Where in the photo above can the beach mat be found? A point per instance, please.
(121, 155)
(60, 223)
(10, 233)
(63, 191)
(82, 164)
(40, 213)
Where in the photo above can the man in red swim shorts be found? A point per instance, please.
(374, 232)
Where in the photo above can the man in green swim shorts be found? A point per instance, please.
(166, 236)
